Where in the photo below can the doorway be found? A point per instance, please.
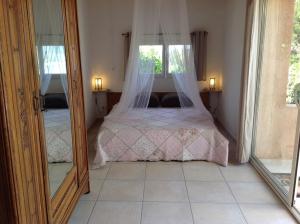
(275, 145)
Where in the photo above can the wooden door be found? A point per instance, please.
(23, 156)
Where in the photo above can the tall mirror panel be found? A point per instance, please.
(52, 69)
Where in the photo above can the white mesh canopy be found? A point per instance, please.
(160, 27)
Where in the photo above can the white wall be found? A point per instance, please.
(101, 23)
(85, 30)
(229, 106)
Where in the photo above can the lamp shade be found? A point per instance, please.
(98, 84)
(212, 83)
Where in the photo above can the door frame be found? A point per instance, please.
(287, 199)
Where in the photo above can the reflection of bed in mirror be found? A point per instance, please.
(58, 135)
(58, 138)
(57, 123)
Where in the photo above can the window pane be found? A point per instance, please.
(177, 58)
(149, 55)
(275, 123)
(294, 69)
(54, 60)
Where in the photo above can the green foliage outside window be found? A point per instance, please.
(150, 56)
(153, 55)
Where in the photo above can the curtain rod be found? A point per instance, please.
(160, 34)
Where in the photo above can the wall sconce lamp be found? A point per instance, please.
(212, 83)
(98, 84)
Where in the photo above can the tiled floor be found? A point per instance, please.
(183, 193)
(177, 193)
(57, 174)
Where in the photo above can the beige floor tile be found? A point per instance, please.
(99, 173)
(94, 191)
(266, 214)
(120, 190)
(127, 171)
(164, 171)
(167, 191)
(116, 213)
(217, 214)
(54, 186)
(252, 193)
(202, 171)
(58, 171)
(165, 213)
(209, 192)
(57, 175)
(240, 173)
(82, 212)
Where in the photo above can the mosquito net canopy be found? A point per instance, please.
(160, 27)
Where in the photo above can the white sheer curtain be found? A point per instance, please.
(64, 82)
(250, 80)
(160, 23)
(44, 80)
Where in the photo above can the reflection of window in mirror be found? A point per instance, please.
(54, 59)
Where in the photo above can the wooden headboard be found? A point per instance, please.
(114, 97)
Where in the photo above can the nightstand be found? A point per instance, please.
(214, 95)
(100, 97)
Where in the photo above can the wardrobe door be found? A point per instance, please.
(57, 109)
(43, 136)
(77, 90)
(20, 149)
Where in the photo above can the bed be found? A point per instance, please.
(156, 134)
(58, 135)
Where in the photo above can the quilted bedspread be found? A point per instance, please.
(160, 134)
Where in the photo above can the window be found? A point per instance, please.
(294, 69)
(53, 60)
(151, 54)
(167, 59)
(177, 58)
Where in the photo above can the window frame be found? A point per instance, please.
(165, 59)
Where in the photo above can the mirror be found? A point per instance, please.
(52, 69)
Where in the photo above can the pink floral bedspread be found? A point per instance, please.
(160, 134)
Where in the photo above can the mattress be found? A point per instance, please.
(58, 135)
(160, 134)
